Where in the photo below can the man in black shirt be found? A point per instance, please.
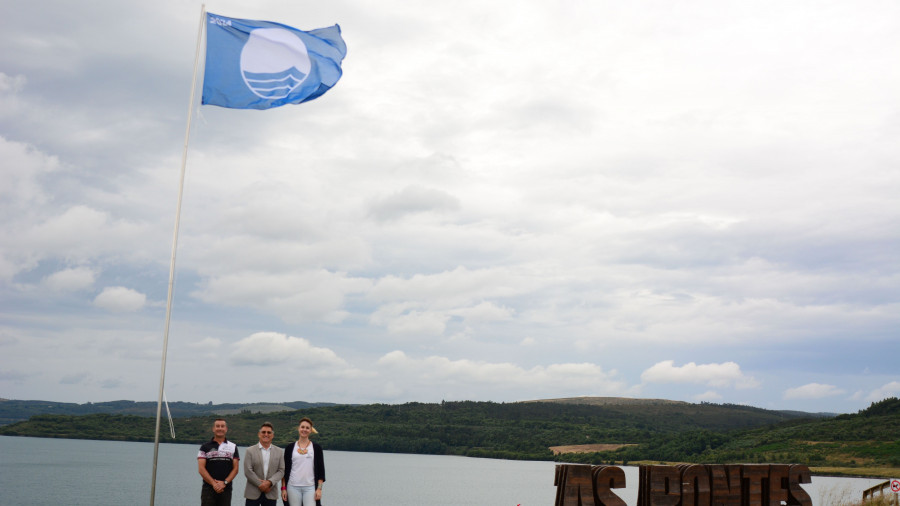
(217, 463)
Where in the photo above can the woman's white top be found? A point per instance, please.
(302, 474)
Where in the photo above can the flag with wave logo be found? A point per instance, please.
(261, 64)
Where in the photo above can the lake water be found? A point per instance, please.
(78, 472)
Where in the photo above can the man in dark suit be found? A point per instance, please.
(264, 468)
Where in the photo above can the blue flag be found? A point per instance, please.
(260, 64)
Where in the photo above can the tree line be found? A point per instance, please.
(701, 433)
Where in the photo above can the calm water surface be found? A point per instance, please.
(79, 472)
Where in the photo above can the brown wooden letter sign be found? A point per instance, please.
(685, 485)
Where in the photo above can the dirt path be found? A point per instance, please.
(587, 448)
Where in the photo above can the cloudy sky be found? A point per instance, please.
(499, 201)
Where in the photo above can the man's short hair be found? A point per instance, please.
(220, 420)
(267, 424)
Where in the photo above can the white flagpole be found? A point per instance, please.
(187, 135)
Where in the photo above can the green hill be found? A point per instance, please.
(653, 431)
(868, 439)
(509, 430)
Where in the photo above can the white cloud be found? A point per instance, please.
(70, 280)
(812, 391)
(424, 304)
(716, 375)
(119, 299)
(484, 312)
(22, 167)
(271, 348)
(413, 199)
(293, 296)
(23, 194)
(474, 379)
(400, 320)
(84, 232)
(891, 389)
(409, 319)
(459, 286)
(709, 395)
(73, 226)
(11, 84)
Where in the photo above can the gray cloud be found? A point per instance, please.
(411, 200)
(704, 196)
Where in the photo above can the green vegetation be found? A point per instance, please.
(662, 432)
(869, 439)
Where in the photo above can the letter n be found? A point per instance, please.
(752, 490)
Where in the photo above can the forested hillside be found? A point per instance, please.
(508, 430)
(870, 438)
(668, 432)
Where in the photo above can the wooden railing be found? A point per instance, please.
(869, 493)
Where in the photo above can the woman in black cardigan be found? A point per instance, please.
(304, 469)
